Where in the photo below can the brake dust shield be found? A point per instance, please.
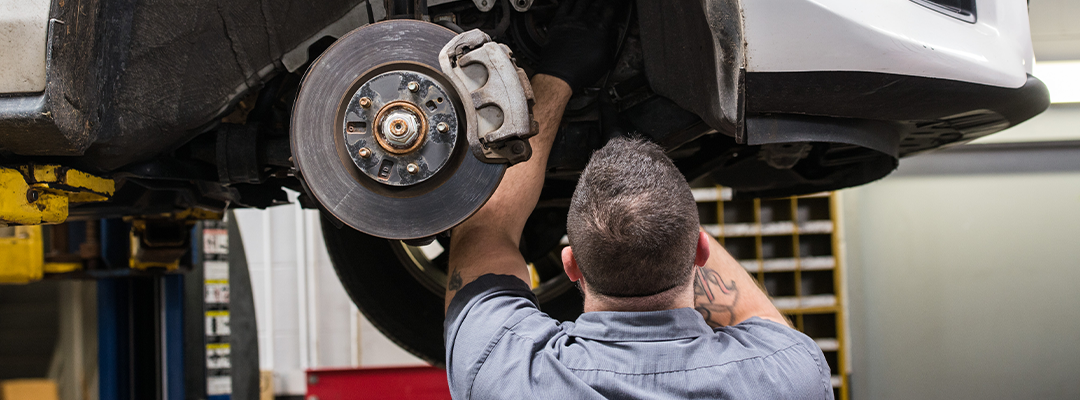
(378, 134)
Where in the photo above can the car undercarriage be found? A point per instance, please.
(204, 108)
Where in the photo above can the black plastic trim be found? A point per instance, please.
(881, 136)
(694, 52)
(967, 14)
(888, 97)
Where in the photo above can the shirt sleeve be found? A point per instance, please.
(479, 315)
(814, 382)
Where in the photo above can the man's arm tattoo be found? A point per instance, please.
(455, 282)
(714, 298)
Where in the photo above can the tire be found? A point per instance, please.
(383, 279)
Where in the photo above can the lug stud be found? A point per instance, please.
(364, 152)
(413, 86)
(365, 102)
(442, 127)
(412, 168)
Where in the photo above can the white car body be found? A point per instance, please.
(902, 37)
(24, 29)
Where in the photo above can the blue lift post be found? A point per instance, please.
(140, 337)
(169, 335)
(174, 336)
(140, 326)
(113, 348)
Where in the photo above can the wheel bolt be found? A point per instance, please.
(365, 102)
(413, 86)
(442, 127)
(412, 168)
(364, 152)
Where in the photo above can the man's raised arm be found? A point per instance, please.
(487, 243)
(578, 53)
(725, 294)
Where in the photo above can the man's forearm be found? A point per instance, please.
(725, 294)
(488, 241)
(511, 204)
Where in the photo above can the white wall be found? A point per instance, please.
(305, 318)
(75, 357)
(965, 285)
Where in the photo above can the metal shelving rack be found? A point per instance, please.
(792, 246)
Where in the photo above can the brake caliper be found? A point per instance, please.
(496, 95)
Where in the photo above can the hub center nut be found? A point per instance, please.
(400, 127)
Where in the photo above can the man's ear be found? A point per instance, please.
(702, 250)
(569, 264)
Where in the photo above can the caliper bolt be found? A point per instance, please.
(365, 102)
(413, 86)
(412, 168)
(364, 152)
(442, 127)
(31, 196)
(518, 148)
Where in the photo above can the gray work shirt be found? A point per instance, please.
(500, 346)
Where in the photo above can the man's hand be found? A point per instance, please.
(580, 42)
(578, 52)
(487, 243)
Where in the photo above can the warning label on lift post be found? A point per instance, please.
(215, 249)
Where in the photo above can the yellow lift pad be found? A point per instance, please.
(40, 194)
(22, 255)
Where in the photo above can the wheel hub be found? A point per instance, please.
(427, 184)
(400, 127)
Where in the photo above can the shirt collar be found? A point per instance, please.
(680, 323)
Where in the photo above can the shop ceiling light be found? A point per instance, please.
(1062, 78)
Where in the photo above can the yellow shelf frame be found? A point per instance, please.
(798, 313)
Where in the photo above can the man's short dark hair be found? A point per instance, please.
(633, 223)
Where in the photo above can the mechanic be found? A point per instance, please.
(647, 273)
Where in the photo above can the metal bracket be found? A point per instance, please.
(521, 5)
(160, 241)
(486, 5)
(496, 95)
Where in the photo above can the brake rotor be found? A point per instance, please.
(378, 134)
